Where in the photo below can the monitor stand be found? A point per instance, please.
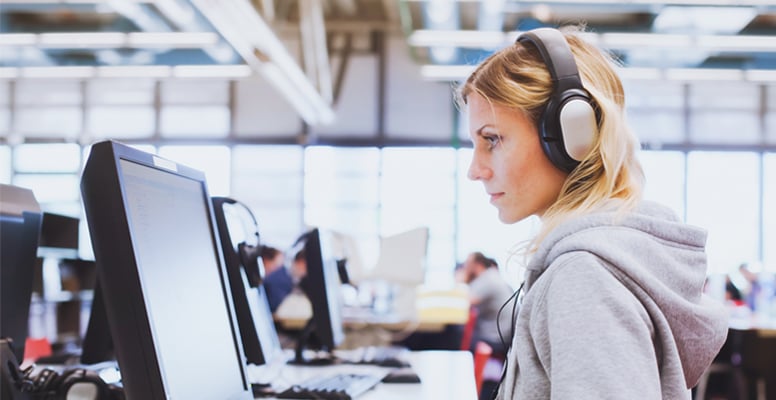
(306, 337)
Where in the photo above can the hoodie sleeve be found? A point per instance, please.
(592, 335)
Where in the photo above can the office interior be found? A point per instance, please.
(341, 114)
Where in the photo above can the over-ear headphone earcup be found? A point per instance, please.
(250, 259)
(568, 129)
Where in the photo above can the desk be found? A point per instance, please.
(444, 375)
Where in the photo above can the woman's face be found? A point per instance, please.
(509, 160)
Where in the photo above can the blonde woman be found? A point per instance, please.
(611, 305)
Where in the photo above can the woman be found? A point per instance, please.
(612, 304)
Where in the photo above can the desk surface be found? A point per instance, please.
(443, 375)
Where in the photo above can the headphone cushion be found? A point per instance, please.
(568, 129)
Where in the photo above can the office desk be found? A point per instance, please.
(445, 375)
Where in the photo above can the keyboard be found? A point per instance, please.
(388, 356)
(344, 386)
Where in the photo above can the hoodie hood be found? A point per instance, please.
(662, 261)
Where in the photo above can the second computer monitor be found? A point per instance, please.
(322, 287)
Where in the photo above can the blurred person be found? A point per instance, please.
(278, 281)
(488, 291)
(612, 304)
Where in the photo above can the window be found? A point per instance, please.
(769, 212)
(723, 196)
(212, 160)
(665, 183)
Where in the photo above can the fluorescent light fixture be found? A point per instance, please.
(627, 40)
(458, 38)
(172, 39)
(640, 73)
(18, 39)
(134, 71)
(81, 39)
(446, 72)
(212, 71)
(57, 72)
(760, 75)
(734, 43)
(704, 74)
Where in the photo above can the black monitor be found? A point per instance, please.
(59, 231)
(162, 277)
(20, 220)
(257, 328)
(324, 331)
(97, 343)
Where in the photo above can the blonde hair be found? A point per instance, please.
(517, 77)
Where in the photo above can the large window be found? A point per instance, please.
(769, 212)
(723, 196)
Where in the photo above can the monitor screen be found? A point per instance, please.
(321, 284)
(254, 318)
(20, 221)
(162, 277)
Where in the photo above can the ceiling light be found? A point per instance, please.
(81, 39)
(172, 39)
(134, 71)
(212, 71)
(18, 39)
(703, 74)
(57, 72)
(9, 72)
(760, 75)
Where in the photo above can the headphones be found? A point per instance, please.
(248, 254)
(568, 124)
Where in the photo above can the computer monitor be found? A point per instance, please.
(162, 277)
(254, 318)
(324, 331)
(97, 343)
(20, 220)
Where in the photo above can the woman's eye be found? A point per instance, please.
(491, 140)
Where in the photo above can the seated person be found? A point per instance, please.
(278, 280)
(488, 291)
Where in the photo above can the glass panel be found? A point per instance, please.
(725, 126)
(479, 228)
(59, 122)
(769, 212)
(50, 188)
(267, 190)
(57, 157)
(718, 183)
(416, 177)
(737, 95)
(121, 92)
(654, 94)
(121, 122)
(664, 172)
(48, 92)
(212, 160)
(195, 92)
(661, 126)
(332, 190)
(4, 93)
(333, 160)
(200, 121)
(5, 120)
(350, 219)
(267, 159)
(5, 165)
(770, 127)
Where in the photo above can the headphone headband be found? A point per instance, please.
(568, 125)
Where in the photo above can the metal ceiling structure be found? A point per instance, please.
(654, 39)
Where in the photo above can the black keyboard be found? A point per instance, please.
(345, 386)
(389, 356)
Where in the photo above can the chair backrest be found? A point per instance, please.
(468, 329)
(482, 352)
(35, 348)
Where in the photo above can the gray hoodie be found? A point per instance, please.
(613, 309)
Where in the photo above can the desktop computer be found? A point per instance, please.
(20, 224)
(162, 277)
